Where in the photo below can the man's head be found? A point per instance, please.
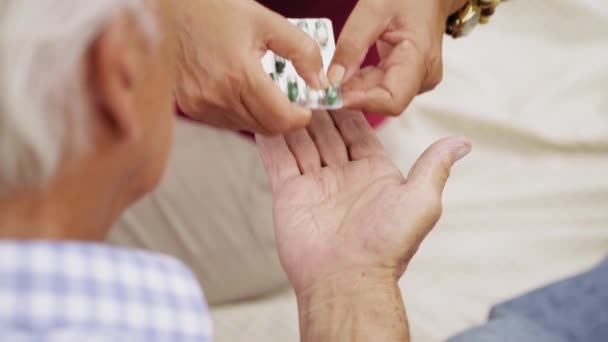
(85, 112)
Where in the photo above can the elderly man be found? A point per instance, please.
(82, 138)
(86, 124)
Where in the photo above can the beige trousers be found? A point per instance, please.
(213, 211)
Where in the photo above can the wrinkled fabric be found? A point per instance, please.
(572, 310)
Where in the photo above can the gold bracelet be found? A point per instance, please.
(467, 18)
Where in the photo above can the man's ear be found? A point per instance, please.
(116, 63)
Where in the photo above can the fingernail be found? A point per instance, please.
(463, 150)
(315, 82)
(323, 80)
(336, 74)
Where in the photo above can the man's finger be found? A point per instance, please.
(358, 136)
(279, 162)
(304, 150)
(290, 42)
(269, 106)
(431, 171)
(328, 139)
(362, 29)
(426, 180)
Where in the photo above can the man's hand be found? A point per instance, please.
(347, 223)
(220, 80)
(408, 35)
(341, 205)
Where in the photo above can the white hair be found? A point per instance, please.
(43, 79)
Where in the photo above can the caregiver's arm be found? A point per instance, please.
(347, 223)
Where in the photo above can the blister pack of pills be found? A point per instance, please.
(288, 80)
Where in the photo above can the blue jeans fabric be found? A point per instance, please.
(572, 310)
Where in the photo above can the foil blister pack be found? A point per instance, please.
(291, 84)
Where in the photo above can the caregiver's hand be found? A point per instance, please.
(220, 80)
(408, 35)
(347, 222)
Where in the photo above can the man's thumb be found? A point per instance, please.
(432, 169)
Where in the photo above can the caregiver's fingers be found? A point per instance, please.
(327, 138)
(290, 42)
(359, 138)
(279, 162)
(368, 20)
(389, 88)
(269, 106)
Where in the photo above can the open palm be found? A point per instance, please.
(340, 204)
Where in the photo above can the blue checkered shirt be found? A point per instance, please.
(69, 291)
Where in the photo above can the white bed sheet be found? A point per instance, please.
(530, 204)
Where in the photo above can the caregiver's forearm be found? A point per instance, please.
(359, 306)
